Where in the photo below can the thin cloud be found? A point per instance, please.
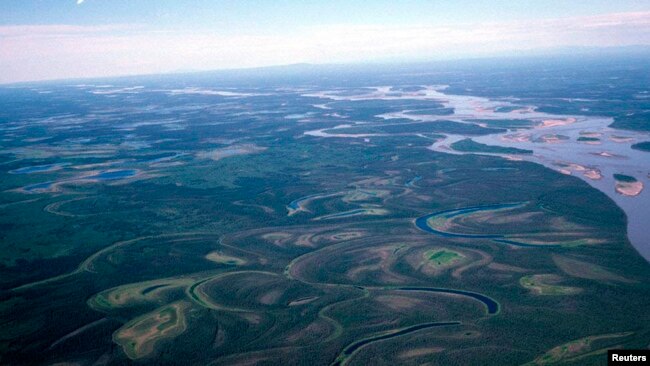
(58, 51)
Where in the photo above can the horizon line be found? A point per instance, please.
(556, 52)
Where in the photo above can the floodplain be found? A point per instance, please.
(374, 217)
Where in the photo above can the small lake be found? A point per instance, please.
(491, 305)
(355, 346)
(38, 168)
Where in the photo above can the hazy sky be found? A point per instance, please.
(51, 39)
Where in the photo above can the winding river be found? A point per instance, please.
(600, 153)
